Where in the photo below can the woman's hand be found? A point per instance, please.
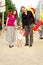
(15, 23)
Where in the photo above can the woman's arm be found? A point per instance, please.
(7, 21)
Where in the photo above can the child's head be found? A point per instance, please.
(20, 29)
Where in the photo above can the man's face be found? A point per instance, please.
(23, 10)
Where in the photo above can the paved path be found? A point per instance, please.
(23, 55)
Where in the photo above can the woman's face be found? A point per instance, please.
(14, 13)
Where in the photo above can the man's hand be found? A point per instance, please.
(34, 25)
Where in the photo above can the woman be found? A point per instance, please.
(10, 25)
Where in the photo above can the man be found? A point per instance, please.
(27, 22)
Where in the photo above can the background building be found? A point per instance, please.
(39, 9)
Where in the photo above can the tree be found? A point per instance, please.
(20, 18)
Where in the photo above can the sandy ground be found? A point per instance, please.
(23, 55)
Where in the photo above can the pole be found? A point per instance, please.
(2, 21)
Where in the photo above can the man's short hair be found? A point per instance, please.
(22, 7)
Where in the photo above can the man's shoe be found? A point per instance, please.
(26, 44)
(30, 45)
(41, 37)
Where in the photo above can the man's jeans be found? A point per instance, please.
(29, 38)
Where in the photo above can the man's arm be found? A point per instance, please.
(32, 18)
(23, 20)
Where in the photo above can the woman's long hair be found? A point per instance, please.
(15, 14)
